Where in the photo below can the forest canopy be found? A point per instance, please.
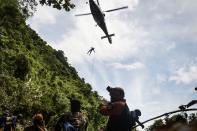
(28, 7)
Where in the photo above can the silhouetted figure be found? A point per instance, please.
(38, 123)
(90, 51)
(7, 121)
(183, 107)
(74, 120)
(117, 110)
(135, 117)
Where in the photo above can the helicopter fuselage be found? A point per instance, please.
(99, 18)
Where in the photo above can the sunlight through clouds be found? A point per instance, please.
(133, 66)
(185, 75)
(46, 16)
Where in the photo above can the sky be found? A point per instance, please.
(152, 57)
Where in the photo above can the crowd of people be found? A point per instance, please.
(116, 110)
(120, 118)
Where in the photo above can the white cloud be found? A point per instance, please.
(161, 78)
(127, 42)
(43, 16)
(185, 75)
(171, 46)
(133, 66)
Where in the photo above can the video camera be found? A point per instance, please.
(108, 88)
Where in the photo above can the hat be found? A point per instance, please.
(116, 91)
(37, 118)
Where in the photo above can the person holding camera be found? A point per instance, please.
(117, 111)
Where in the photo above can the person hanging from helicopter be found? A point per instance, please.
(92, 49)
(183, 107)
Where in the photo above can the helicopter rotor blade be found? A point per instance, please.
(83, 14)
(124, 7)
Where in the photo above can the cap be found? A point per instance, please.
(116, 91)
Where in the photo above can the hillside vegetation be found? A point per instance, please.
(34, 76)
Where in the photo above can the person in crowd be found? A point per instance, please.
(117, 111)
(74, 120)
(8, 121)
(38, 123)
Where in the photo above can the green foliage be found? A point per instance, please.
(60, 56)
(156, 124)
(22, 67)
(34, 76)
(28, 7)
(58, 4)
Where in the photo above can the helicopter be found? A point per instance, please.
(99, 17)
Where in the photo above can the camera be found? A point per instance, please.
(108, 88)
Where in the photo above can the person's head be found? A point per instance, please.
(38, 119)
(75, 105)
(116, 93)
(6, 113)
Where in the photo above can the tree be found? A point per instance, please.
(175, 123)
(22, 67)
(28, 6)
